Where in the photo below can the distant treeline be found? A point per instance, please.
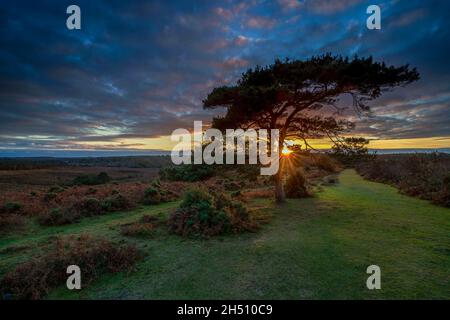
(29, 163)
(42, 163)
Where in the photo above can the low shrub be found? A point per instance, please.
(86, 207)
(295, 186)
(94, 256)
(145, 227)
(151, 196)
(49, 196)
(9, 222)
(91, 179)
(156, 193)
(231, 186)
(10, 207)
(58, 217)
(189, 173)
(55, 189)
(116, 202)
(204, 215)
(425, 176)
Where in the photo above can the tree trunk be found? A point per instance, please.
(280, 197)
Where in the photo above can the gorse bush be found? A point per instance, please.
(189, 173)
(156, 193)
(91, 179)
(86, 207)
(295, 186)
(10, 207)
(55, 189)
(116, 202)
(151, 196)
(58, 217)
(95, 257)
(204, 215)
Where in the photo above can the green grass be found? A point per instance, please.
(316, 248)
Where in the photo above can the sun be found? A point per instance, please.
(286, 151)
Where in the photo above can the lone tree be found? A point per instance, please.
(294, 96)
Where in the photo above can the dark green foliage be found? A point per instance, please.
(86, 207)
(156, 193)
(249, 172)
(204, 215)
(151, 196)
(296, 185)
(55, 189)
(33, 279)
(189, 173)
(116, 202)
(11, 207)
(236, 194)
(91, 179)
(231, 186)
(58, 217)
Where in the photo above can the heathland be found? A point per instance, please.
(219, 235)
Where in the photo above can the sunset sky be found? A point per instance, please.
(137, 70)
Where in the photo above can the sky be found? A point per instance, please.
(137, 70)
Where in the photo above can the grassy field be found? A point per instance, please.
(315, 248)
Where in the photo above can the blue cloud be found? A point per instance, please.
(145, 66)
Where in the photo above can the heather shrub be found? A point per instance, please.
(295, 186)
(11, 207)
(58, 217)
(55, 189)
(88, 207)
(9, 222)
(85, 207)
(189, 173)
(204, 215)
(91, 179)
(231, 186)
(49, 196)
(249, 172)
(424, 176)
(156, 183)
(116, 202)
(236, 194)
(94, 256)
(151, 196)
(145, 227)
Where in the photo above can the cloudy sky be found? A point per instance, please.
(139, 69)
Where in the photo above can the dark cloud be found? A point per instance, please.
(140, 69)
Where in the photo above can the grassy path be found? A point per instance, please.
(312, 249)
